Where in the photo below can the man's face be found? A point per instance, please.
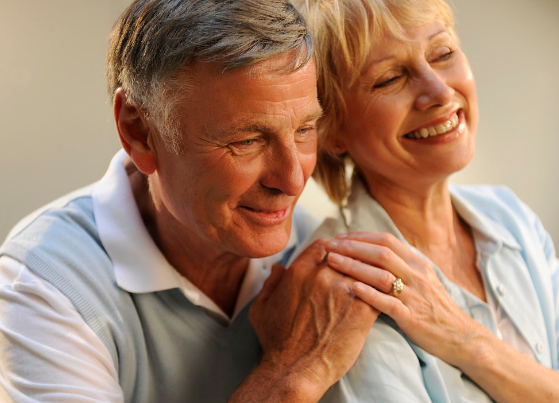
(249, 144)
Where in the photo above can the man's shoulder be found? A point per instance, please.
(60, 207)
(58, 239)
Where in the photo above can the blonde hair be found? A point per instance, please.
(344, 32)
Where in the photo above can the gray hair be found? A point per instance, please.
(153, 41)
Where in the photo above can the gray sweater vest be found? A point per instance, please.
(164, 348)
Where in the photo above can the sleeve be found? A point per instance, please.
(553, 262)
(387, 370)
(47, 351)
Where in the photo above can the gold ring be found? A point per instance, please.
(397, 287)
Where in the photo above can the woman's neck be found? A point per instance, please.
(428, 221)
(425, 216)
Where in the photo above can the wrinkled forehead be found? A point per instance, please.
(199, 73)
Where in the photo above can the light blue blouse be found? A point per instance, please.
(519, 266)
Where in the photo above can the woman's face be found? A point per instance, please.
(412, 115)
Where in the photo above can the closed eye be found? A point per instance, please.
(388, 82)
(445, 56)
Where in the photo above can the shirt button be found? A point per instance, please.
(502, 290)
(539, 348)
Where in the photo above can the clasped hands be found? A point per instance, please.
(313, 318)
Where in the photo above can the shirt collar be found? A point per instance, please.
(363, 212)
(485, 226)
(139, 265)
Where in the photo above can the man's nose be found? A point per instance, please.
(284, 171)
(433, 89)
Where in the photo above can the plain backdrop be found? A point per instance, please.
(57, 131)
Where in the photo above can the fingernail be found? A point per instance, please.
(359, 287)
(332, 244)
(344, 235)
(334, 258)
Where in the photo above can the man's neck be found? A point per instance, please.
(217, 274)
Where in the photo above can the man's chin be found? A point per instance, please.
(266, 245)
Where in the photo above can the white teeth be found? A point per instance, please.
(436, 130)
(440, 129)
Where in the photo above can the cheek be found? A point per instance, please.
(308, 158)
(380, 117)
(469, 92)
(466, 83)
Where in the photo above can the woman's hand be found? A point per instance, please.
(423, 310)
(431, 319)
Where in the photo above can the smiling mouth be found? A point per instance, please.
(436, 130)
(268, 215)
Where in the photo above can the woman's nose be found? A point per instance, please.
(433, 89)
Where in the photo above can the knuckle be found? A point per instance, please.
(425, 266)
(385, 255)
(386, 238)
(385, 280)
(314, 254)
(341, 287)
(348, 265)
(396, 309)
(346, 245)
(320, 243)
(422, 283)
(323, 278)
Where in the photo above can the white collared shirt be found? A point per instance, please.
(60, 348)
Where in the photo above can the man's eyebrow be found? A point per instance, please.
(262, 128)
(313, 116)
(229, 133)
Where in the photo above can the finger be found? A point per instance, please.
(379, 278)
(271, 283)
(372, 254)
(386, 304)
(313, 256)
(383, 239)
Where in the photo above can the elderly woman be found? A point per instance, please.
(466, 276)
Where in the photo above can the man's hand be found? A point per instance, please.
(310, 324)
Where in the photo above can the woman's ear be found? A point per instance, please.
(335, 145)
(134, 133)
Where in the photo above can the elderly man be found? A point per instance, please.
(137, 288)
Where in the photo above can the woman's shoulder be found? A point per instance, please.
(496, 193)
(496, 202)
(499, 207)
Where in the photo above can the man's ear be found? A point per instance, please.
(134, 133)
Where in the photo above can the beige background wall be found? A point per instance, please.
(57, 132)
